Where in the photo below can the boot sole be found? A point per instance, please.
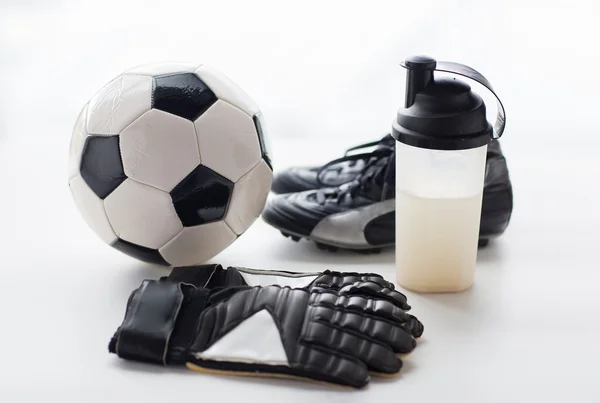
(363, 249)
(366, 250)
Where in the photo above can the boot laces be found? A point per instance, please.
(353, 159)
(371, 174)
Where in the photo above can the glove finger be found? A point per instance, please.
(392, 334)
(378, 357)
(374, 307)
(375, 290)
(414, 326)
(321, 363)
(337, 280)
(377, 279)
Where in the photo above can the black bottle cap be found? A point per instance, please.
(440, 113)
(420, 63)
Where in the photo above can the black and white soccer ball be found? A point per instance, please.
(169, 164)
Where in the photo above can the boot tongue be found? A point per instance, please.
(346, 168)
(371, 181)
(389, 179)
(369, 186)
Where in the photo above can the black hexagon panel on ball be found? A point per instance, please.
(101, 165)
(202, 197)
(183, 95)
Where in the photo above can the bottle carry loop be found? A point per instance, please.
(468, 72)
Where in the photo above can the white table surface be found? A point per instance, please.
(528, 331)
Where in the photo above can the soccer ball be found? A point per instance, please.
(168, 163)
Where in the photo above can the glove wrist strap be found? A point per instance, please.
(150, 322)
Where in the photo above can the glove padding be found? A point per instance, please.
(317, 334)
(336, 334)
(347, 283)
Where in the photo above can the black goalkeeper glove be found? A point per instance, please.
(317, 333)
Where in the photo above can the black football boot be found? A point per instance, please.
(360, 214)
(334, 173)
(497, 205)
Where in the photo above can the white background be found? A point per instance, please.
(326, 75)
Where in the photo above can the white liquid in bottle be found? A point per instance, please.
(436, 242)
(438, 211)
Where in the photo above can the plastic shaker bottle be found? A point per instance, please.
(442, 135)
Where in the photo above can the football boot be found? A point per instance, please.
(334, 173)
(360, 214)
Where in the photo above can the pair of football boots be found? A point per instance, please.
(349, 203)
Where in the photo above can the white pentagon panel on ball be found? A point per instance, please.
(142, 215)
(249, 198)
(92, 209)
(77, 143)
(226, 89)
(227, 140)
(119, 103)
(159, 149)
(195, 245)
(159, 69)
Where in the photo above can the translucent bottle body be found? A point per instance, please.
(438, 213)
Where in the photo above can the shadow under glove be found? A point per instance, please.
(318, 334)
